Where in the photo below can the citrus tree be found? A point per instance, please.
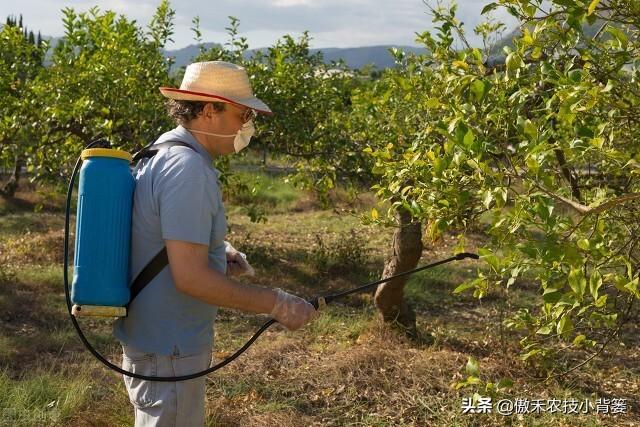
(543, 150)
(102, 83)
(20, 63)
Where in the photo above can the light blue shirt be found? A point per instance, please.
(177, 197)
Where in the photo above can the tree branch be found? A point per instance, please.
(604, 345)
(566, 172)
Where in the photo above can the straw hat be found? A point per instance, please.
(216, 81)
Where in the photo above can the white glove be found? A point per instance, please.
(237, 263)
(292, 311)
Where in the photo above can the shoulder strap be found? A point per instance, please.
(161, 259)
(151, 270)
(151, 149)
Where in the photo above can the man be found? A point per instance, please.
(178, 204)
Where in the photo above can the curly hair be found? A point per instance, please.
(182, 112)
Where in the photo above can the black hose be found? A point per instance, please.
(315, 301)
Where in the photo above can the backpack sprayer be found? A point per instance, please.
(100, 285)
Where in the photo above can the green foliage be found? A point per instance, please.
(20, 63)
(311, 102)
(312, 105)
(103, 82)
(545, 146)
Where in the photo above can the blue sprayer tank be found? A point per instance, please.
(103, 229)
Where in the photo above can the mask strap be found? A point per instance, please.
(209, 133)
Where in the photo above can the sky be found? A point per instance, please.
(331, 23)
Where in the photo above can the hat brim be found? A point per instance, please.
(188, 95)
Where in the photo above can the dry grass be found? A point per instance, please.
(40, 248)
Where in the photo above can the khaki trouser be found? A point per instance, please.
(164, 404)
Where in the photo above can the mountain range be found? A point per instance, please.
(354, 57)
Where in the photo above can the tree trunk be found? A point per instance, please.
(9, 189)
(407, 250)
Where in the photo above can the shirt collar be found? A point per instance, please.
(181, 134)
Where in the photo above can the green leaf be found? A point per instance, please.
(530, 354)
(471, 380)
(536, 53)
(472, 368)
(622, 38)
(530, 10)
(583, 244)
(464, 286)
(532, 164)
(459, 247)
(460, 64)
(545, 330)
(469, 138)
(608, 319)
(592, 7)
(490, 258)
(579, 340)
(479, 89)
(577, 282)
(583, 131)
(500, 195)
(461, 132)
(609, 86)
(488, 8)
(595, 281)
(565, 325)
(575, 75)
(416, 208)
(632, 287)
(620, 282)
(514, 61)
(487, 199)
(530, 129)
(526, 37)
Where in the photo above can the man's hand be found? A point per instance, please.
(237, 264)
(292, 311)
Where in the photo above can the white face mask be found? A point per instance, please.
(242, 138)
